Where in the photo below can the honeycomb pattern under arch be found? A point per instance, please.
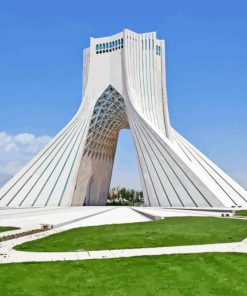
(109, 117)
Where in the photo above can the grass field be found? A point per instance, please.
(167, 232)
(172, 275)
(7, 228)
(241, 213)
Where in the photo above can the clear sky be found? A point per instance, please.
(41, 47)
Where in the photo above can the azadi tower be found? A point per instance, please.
(124, 86)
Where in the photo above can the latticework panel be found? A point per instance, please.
(109, 117)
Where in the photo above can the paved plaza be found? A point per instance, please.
(72, 217)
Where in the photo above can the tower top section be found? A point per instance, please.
(114, 42)
(128, 32)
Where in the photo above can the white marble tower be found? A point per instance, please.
(124, 86)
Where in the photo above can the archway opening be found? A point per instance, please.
(108, 119)
(125, 188)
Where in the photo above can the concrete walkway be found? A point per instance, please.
(11, 256)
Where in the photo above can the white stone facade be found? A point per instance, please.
(124, 86)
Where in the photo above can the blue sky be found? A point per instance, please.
(41, 47)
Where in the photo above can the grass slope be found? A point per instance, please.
(7, 228)
(241, 213)
(167, 232)
(173, 275)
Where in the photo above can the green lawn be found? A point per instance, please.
(7, 228)
(241, 213)
(172, 275)
(167, 232)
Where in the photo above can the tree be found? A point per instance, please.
(125, 197)
(122, 192)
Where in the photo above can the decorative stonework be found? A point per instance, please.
(109, 117)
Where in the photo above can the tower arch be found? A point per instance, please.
(124, 86)
(108, 118)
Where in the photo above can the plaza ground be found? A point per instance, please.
(195, 264)
(173, 231)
